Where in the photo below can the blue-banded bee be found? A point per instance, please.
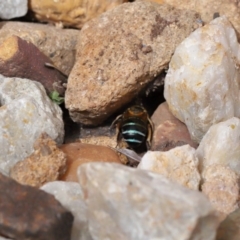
(134, 127)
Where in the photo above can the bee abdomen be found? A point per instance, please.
(134, 132)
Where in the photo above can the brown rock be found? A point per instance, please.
(19, 58)
(30, 213)
(169, 132)
(220, 185)
(70, 13)
(44, 165)
(119, 53)
(58, 44)
(79, 153)
(207, 8)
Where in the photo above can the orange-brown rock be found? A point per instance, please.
(79, 153)
(70, 13)
(207, 8)
(44, 165)
(169, 132)
(19, 58)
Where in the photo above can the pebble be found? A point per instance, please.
(13, 8)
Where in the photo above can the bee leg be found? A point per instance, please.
(150, 133)
(115, 121)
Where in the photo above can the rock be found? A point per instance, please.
(19, 58)
(202, 83)
(127, 203)
(221, 145)
(47, 163)
(119, 53)
(30, 213)
(169, 132)
(229, 229)
(179, 165)
(58, 44)
(70, 195)
(221, 187)
(70, 13)
(207, 8)
(13, 8)
(25, 113)
(79, 153)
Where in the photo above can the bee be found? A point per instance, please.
(134, 127)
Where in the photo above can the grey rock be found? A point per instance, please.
(13, 8)
(26, 112)
(70, 195)
(126, 203)
(119, 53)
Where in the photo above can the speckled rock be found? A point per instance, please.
(119, 53)
(169, 132)
(220, 185)
(207, 8)
(71, 13)
(47, 163)
(179, 164)
(202, 83)
(56, 43)
(80, 153)
(30, 213)
(70, 195)
(127, 203)
(26, 112)
(221, 145)
(13, 8)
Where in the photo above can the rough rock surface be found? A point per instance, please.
(71, 13)
(221, 187)
(30, 213)
(169, 132)
(207, 8)
(19, 58)
(221, 145)
(126, 203)
(13, 8)
(26, 112)
(179, 164)
(119, 53)
(80, 153)
(229, 229)
(202, 83)
(47, 163)
(70, 195)
(58, 44)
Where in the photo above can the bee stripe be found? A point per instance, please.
(133, 132)
(133, 124)
(132, 140)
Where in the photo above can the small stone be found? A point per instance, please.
(80, 153)
(19, 58)
(128, 203)
(220, 185)
(70, 195)
(13, 8)
(202, 83)
(169, 132)
(111, 67)
(57, 44)
(30, 213)
(221, 146)
(26, 112)
(71, 13)
(179, 165)
(47, 163)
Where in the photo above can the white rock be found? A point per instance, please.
(202, 83)
(26, 112)
(179, 164)
(13, 8)
(70, 195)
(221, 145)
(127, 203)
